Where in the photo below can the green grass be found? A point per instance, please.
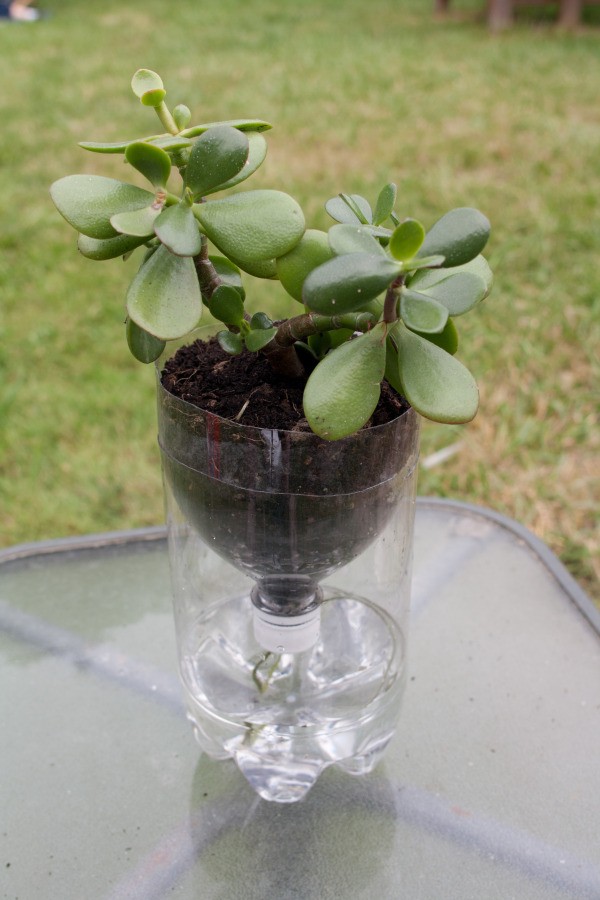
(359, 94)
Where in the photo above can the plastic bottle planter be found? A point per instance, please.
(290, 559)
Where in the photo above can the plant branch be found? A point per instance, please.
(164, 114)
(207, 274)
(280, 350)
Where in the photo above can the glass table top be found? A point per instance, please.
(490, 789)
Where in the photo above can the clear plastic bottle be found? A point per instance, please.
(290, 560)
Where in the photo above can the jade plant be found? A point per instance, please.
(374, 297)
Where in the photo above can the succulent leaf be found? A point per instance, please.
(177, 229)
(406, 239)
(148, 86)
(312, 250)
(230, 342)
(343, 390)
(144, 346)
(256, 340)
(421, 313)
(352, 239)
(385, 204)
(153, 162)
(345, 283)
(164, 297)
(254, 226)
(257, 151)
(226, 305)
(110, 248)
(355, 212)
(217, 156)
(228, 272)
(435, 383)
(138, 222)
(478, 266)
(87, 202)
(459, 236)
(446, 339)
(240, 124)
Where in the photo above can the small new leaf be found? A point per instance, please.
(385, 204)
(256, 340)
(226, 305)
(231, 343)
(407, 239)
(148, 86)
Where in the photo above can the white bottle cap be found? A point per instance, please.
(287, 634)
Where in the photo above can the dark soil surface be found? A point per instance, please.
(245, 388)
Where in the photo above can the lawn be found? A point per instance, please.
(359, 94)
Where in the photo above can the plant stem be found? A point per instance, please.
(280, 350)
(164, 114)
(207, 274)
(390, 311)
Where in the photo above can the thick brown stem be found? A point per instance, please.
(280, 351)
(207, 274)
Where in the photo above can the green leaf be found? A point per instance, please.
(138, 222)
(478, 266)
(256, 340)
(458, 293)
(260, 320)
(346, 283)
(425, 262)
(240, 124)
(421, 313)
(435, 383)
(105, 146)
(169, 142)
(343, 390)
(182, 115)
(165, 141)
(257, 152)
(446, 339)
(293, 268)
(260, 268)
(230, 342)
(226, 305)
(148, 86)
(229, 273)
(406, 239)
(177, 229)
(144, 347)
(151, 161)
(352, 239)
(217, 156)
(253, 226)
(392, 374)
(109, 248)
(164, 297)
(385, 204)
(459, 236)
(87, 202)
(349, 209)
